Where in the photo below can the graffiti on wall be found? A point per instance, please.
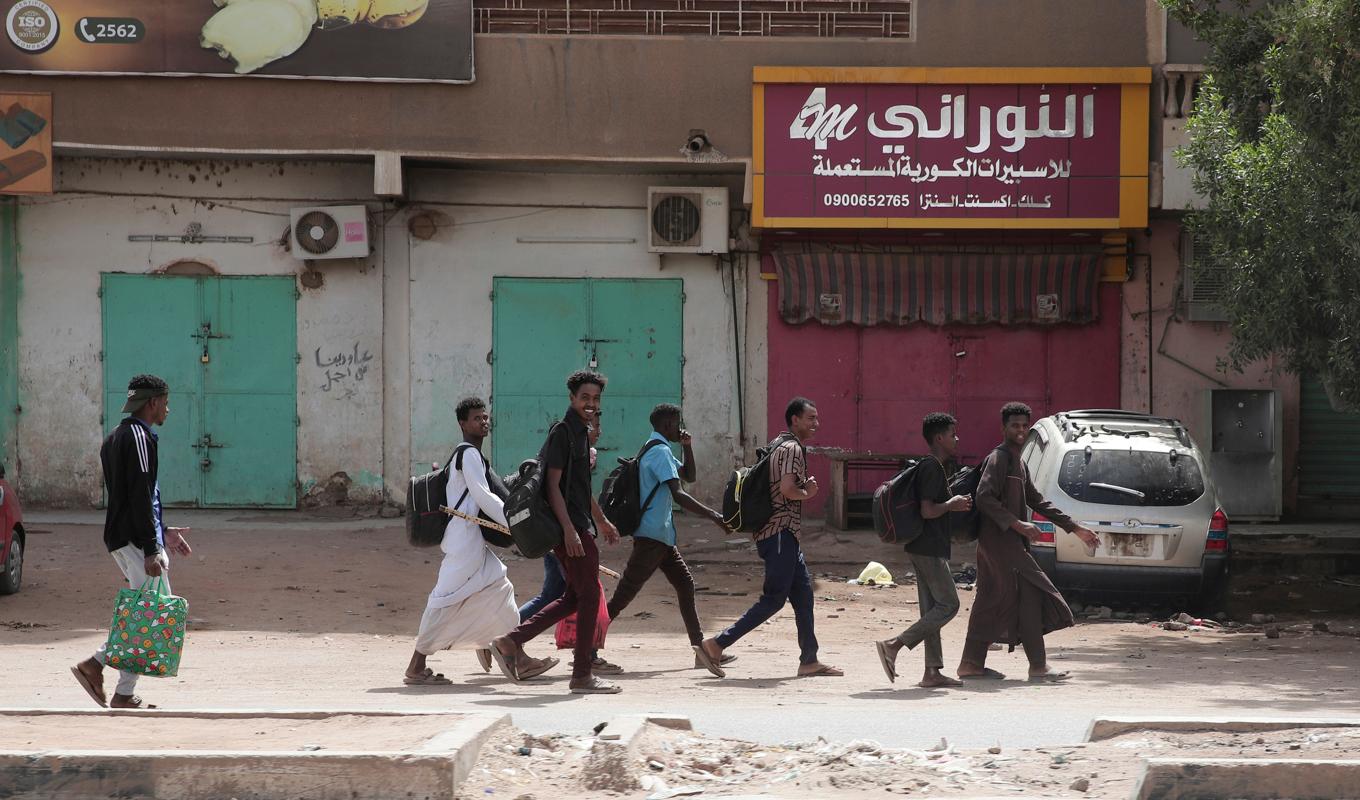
(342, 370)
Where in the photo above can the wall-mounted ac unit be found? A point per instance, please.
(329, 232)
(686, 220)
(1204, 278)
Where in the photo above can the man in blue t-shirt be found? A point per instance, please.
(654, 542)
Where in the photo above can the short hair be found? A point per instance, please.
(795, 408)
(936, 423)
(468, 405)
(664, 411)
(1015, 410)
(581, 377)
(151, 382)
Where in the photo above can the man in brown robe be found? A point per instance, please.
(1016, 602)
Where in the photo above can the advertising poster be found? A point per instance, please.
(25, 143)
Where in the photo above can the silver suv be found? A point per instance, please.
(1141, 483)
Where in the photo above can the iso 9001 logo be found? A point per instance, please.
(32, 25)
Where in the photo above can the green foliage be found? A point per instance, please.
(1275, 145)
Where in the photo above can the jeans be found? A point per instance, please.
(647, 557)
(132, 562)
(786, 581)
(939, 603)
(582, 596)
(553, 587)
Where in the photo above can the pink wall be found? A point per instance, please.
(873, 385)
(1168, 388)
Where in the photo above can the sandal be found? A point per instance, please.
(427, 678)
(541, 666)
(722, 662)
(132, 702)
(1050, 677)
(702, 657)
(886, 659)
(988, 674)
(822, 671)
(484, 658)
(597, 686)
(96, 695)
(507, 667)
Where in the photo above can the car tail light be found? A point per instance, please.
(1218, 532)
(1047, 530)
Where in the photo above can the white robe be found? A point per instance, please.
(472, 601)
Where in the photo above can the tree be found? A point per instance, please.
(1275, 145)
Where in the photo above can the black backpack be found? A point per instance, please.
(533, 525)
(897, 508)
(965, 525)
(621, 497)
(425, 523)
(747, 505)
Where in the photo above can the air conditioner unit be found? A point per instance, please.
(329, 232)
(686, 220)
(1204, 279)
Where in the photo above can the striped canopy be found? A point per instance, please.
(859, 288)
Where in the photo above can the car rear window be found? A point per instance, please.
(1161, 479)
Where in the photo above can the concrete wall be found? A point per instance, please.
(68, 239)
(1171, 382)
(451, 280)
(585, 96)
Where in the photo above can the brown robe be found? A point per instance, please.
(1003, 557)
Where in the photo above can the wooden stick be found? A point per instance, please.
(496, 526)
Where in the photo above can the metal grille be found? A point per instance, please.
(873, 19)
(676, 219)
(1205, 279)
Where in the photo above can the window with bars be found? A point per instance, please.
(1204, 278)
(872, 19)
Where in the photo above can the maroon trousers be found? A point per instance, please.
(582, 596)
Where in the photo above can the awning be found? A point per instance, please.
(862, 288)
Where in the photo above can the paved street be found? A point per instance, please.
(297, 612)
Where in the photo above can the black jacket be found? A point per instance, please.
(129, 460)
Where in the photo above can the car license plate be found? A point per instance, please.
(1128, 545)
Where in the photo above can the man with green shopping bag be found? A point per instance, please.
(137, 538)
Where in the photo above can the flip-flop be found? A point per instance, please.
(540, 668)
(707, 660)
(484, 658)
(988, 674)
(430, 678)
(885, 658)
(507, 667)
(88, 686)
(136, 702)
(1050, 677)
(597, 686)
(824, 671)
(722, 662)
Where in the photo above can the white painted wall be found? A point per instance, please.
(68, 239)
(451, 280)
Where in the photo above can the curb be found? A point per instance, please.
(625, 728)
(1246, 779)
(1110, 727)
(433, 769)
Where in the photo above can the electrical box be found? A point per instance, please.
(1246, 435)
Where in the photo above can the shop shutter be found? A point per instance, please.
(1329, 453)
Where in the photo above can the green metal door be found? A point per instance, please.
(544, 329)
(9, 332)
(227, 347)
(1329, 454)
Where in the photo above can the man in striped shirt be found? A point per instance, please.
(134, 532)
(787, 579)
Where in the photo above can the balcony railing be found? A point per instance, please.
(862, 19)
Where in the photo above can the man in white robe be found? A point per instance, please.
(472, 601)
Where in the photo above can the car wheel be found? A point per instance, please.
(13, 573)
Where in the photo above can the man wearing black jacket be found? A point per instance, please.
(134, 532)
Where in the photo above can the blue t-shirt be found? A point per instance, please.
(658, 465)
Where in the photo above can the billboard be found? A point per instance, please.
(25, 143)
(378, 40)
(951, 148)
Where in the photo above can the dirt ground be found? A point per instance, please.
(668, 763)
(309, 617)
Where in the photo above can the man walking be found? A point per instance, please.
(566, 455)
(1016, 602)
(786, 575)
(929, 552)
(472, 601)
(654, 543)
(134, 531)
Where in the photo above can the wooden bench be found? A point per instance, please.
(844, 461)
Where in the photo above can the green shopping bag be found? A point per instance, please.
(147, 634)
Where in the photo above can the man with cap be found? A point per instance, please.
(134, 532)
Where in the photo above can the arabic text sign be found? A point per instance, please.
(944, 155)
(391, 40)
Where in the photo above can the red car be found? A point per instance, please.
(11, 538)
